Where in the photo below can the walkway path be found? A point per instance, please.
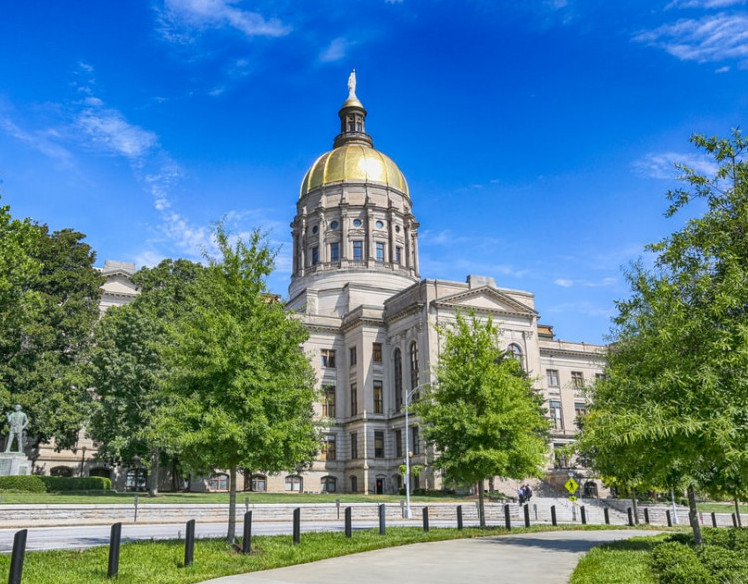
(532, 558)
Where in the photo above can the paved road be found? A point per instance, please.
(85, 536)
(533, 558)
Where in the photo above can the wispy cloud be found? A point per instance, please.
(180, 19)
(715, 37)
(662, 165)
(704, 3)
(107, 130)
(336, 50)
(45, 141)
(568, 283)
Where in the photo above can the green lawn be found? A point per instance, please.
(621, 562)
(12, 497)
(721, 507)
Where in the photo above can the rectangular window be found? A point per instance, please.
(328, 358)
(560, 460)
(358, 251)
(354, 484)
(376, 352)
(378, 444)
(398, 255)
(555, 412)
(315, 256)
(551, 377)
(354, 399)
(415, 444)
(378, 398)
(599, 376)
(354, 446)
(335, 252)
(577, 380)
(580, 409)
(380, 251)
(352, 357)
(328, 404)
(328, 448)
(399, 443)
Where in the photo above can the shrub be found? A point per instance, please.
(59, 484)
(27, 483)
(724, 564)
(675, 563)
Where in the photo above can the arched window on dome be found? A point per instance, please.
(397, 363)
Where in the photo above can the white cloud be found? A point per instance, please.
(108, 130)
(724, 69)
(179, 16)
(712, 38)
(567, 283)
(336, 50)
(662, 165)
(703, 3)
(44, 141)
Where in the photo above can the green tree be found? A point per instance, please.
(244, 390)
(128, 366)
(45, 344)
(482, 413)
(676, 391)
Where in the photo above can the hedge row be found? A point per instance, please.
(722, 559)
(40, 484)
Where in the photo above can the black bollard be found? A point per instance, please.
(247, 539)
(16, 559)
(459, 517)
(426, 519)
(296, 525)
(507, 518)
(669, 518)
(382, 523)
(348, 522)
(553, 515)
(583, 513)
(714, 519)
(115, 538)
(189, 543)
(631, 517)
(527, 515)
(646, 515)
(606, 512)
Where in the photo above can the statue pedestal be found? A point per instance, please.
(14, 463)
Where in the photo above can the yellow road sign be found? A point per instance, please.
(571, 485)
(572, 498)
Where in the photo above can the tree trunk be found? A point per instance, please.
(481, 505)
(737, 512)
(155, 470)
(693, 516)
(635, 506)
(231, 534)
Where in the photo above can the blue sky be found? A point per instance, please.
(537, 136)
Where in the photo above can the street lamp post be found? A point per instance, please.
(407, 452)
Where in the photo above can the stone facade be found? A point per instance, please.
(371, 317)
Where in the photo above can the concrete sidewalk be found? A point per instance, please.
(532, 558)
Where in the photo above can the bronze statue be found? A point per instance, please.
(18, 421)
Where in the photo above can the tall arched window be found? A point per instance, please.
(329, 484)
(516, 352)
(414, 368)
(398, 366)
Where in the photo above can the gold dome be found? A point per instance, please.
(354, 162)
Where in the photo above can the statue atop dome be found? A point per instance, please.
(352, 85)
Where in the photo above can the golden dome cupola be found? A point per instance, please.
(352, 119)
(354, 225)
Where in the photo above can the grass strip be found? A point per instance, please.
(160, 562)
(620, 562)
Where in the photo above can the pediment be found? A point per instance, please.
(485, 299)
(119, 284)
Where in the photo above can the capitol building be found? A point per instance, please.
(371, 316)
